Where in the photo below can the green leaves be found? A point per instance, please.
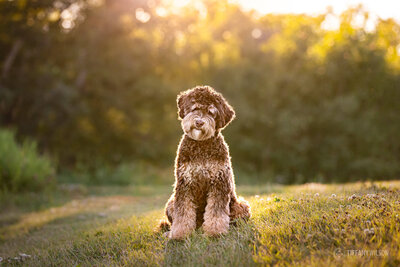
(311, 103)
(22, 168)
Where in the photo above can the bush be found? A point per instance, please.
(22, 168)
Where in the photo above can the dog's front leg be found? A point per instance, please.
(184, 215)
(216, 216)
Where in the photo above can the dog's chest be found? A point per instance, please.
(200, 172)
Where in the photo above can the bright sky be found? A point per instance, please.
(380, 8)
(377, 9)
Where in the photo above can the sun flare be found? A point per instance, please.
(382, 9)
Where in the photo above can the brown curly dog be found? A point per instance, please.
(204, 193)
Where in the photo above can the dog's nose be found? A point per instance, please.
(199, 123)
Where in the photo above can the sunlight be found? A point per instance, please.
(70, 15)
(142, 15)
(176, 6)
(383, 8)
(180, 3)
(91, 206)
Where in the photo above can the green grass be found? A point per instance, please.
(313, 224)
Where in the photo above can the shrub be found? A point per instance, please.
(22, 168)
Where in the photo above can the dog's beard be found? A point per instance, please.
(206, 132)
(197, 134)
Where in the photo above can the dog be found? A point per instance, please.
(204, 190)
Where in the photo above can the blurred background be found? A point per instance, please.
(88, 88)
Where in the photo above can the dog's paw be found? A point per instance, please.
(179, 233)
(216, 226)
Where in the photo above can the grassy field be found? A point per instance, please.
(313, 224)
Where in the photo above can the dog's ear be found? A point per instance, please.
(225, 112)
(181, 101)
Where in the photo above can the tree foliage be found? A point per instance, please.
(95, 83)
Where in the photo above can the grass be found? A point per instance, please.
(312, 224)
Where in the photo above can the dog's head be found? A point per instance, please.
(204, 112)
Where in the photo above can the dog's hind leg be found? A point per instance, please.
(169, 209)
(239, 209)
(165, 225)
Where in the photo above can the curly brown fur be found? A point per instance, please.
(204, 193)
(164, 226)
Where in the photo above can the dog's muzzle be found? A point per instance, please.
(198, 127)
(199, 123)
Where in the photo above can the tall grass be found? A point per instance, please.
(22, 168)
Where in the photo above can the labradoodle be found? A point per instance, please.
(204, 193)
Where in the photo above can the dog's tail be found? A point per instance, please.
(164, 226)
